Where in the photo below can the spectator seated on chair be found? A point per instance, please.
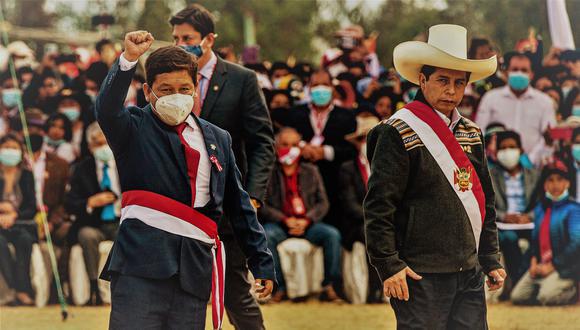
(296, 202)
(554, 267)
(17, 209)
(94, 200)
(514, 187)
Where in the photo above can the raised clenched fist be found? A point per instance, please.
(136, 44)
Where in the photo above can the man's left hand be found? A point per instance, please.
(499, 276)
(264, 288)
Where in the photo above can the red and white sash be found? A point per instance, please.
(450, 157)
(174, 217)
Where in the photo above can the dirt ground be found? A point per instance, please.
(311, 315)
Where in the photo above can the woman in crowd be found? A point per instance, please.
(59, 134)
(17, 208)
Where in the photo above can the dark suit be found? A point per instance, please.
(340, 123)
(234, 102)
(149, 156)
(88, 228)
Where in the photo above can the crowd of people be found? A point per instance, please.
(529, 112)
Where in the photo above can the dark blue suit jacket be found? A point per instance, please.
(149, 156)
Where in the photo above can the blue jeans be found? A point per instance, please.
(319, 234)
(516, 262)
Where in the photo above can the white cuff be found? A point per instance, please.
(125, 64)
(328, 153)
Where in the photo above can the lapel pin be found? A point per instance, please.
(212, 146)
(215, 88)
(216, 162)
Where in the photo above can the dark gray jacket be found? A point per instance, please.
(412, 215)
(311, 190)
(530, 177)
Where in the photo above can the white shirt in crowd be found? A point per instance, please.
(193, 136)
(114, 177)
(64, 150)
(530, 115)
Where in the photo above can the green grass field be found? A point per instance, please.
(311, 315)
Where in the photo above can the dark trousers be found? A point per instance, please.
(444, 301)
(319, 234)
(242, 309)
(516, 261)
(143, 304)
(16, 270)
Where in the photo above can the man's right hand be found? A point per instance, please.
(101, 199)
(136, 44)
(396, 285)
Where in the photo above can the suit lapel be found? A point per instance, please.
(216, 157)
(214, 88)
(174, 143)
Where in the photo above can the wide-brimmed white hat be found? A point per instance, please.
(363, 126)
(445, 48)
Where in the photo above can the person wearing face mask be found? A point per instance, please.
(295, 205)
(75, 107)
(57, 137)
(353, 187)
(323, 127)
(520, 107)
(178, 178)
(555, 246)
(17, 207)
(228, 96)
(94, 201)
(515, 197)
(574, 157)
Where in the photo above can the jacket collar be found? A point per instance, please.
(215, 86)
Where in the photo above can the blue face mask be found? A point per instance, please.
(53, 143)
(10, 157)
(518, 81)
(562, 197)
(104, 153)
(72, 113)
(10, 97)
(576, 110)
(576, 152)
(195, 49)
(321, 95)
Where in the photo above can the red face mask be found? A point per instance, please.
(288, 155)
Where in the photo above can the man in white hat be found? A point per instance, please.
(429, 211)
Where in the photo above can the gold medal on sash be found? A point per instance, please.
(462, 179)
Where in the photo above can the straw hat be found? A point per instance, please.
(445, 48)
(363, 126)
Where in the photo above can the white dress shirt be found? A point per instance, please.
(206, 72)
(530, 115)
(451, 123)
(316, 140)
(194, 137)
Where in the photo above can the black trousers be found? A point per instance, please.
(444, 301)
(242, 309)
(143, 304)
(16, 270)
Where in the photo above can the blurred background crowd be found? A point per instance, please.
(327, 79)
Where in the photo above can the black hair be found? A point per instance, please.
(476, 43)
(102, 43)
(575, 133)
(511, 55)
(501, 136)
(428, 70)
(196, 16)
(66, 124)
(169, 59)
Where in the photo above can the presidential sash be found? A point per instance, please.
(457, 168)
(174, 217)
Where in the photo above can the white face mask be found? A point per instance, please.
(173, 109)
(509, 158)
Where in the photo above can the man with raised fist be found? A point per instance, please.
(178, 177)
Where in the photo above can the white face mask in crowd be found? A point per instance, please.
(103, 153)
(509, 158)
(173, 109)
